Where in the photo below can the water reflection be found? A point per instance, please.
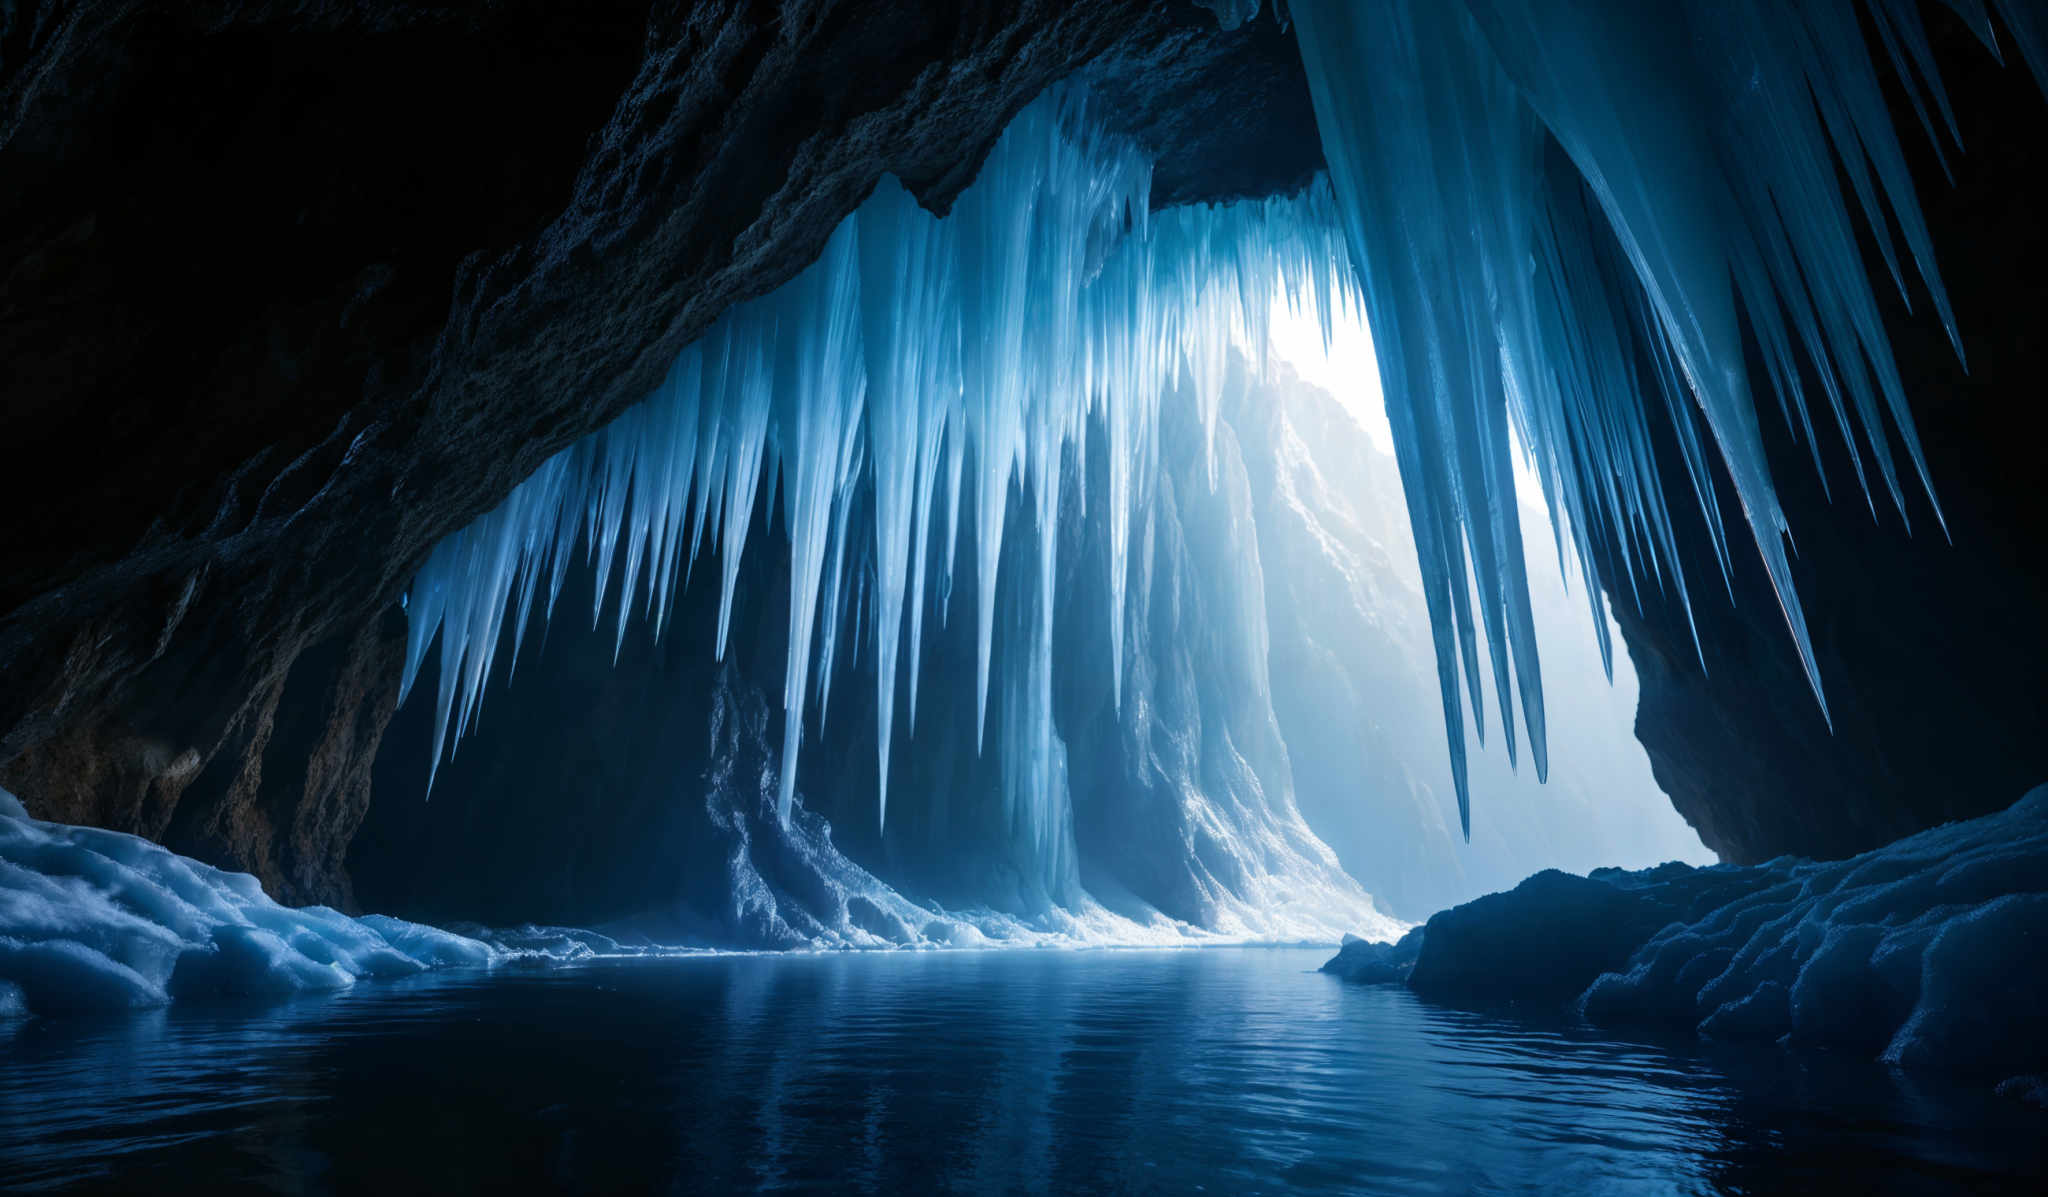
(1227, 1070)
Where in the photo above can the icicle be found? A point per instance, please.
(938, 410)
(994, 249)
(743, 442)
(908, 319)
(819, 389)
(1672, 172)
(2029, 28)
(1526, 200)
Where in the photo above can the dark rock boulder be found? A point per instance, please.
(1367, 963)
(1543, 941)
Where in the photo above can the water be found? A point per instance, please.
(1219, 1070)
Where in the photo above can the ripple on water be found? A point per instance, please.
(1219, 1070)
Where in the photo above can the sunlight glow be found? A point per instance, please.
(1345, 366)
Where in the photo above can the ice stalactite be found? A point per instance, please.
(819, 392)
(920, 366)
(1562, 219)
(910, 327)
(744, 409)
(1534, 191)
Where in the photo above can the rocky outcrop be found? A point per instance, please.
(1365, 962)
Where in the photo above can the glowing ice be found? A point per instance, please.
(1533, 189)
(926, 363)
(1536, 196)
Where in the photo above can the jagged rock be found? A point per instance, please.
(1368, 963)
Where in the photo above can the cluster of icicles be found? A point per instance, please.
(1562, 215)
(1542, 194)
(926, 365)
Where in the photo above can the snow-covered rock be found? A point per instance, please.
(1931, 952)
(93, 919)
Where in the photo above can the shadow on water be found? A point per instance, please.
(1234, 1070)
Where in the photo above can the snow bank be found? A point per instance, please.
(93, 919)
(1930, 953)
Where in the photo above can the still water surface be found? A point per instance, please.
(1217, 1070)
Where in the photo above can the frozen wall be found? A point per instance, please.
(917, 408)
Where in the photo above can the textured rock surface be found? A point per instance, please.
(1368, 963)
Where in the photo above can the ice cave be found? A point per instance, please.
(1133, 596)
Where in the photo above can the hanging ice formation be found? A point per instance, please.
(938, 363)
(1534, 190)
(1536, 195)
